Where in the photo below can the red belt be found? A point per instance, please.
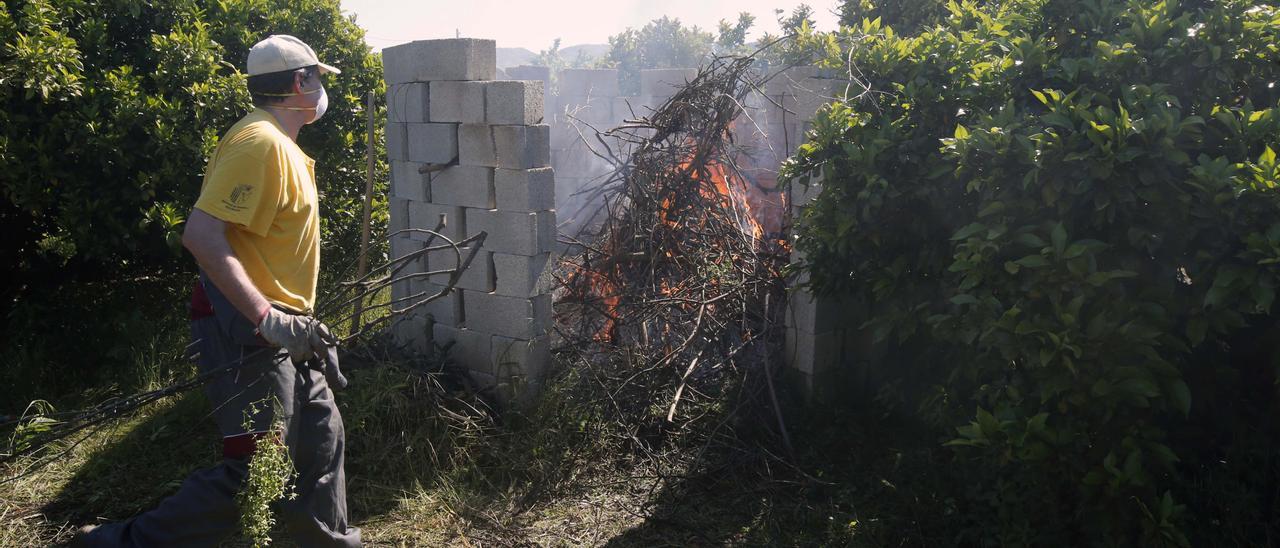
(200, 305)
(241, 446)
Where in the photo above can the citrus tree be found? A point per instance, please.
(108, 111)
(1066, 216)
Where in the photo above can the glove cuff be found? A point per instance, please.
(263, 314)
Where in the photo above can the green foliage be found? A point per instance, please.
(108, 112)
(800, 42)
(662, 43)
(1065, 212)
(270, 477)
(732, 37)
(903, 15)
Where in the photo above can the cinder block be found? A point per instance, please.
(403, 246)
(522, 147)
(520, 358)
(407, 102)
(467, 348)
(400, 292)
(810, 353)
(530, 72)
(664, 82)
(806, 101)
(398, 213)
(560, 137)
(629, 108)
(512, 102)
(805, 190)
(513, 232)
(411, 331)
(515, 317)
(594, 82)
(582, 109)
(432, 143)
(467, 186)
(427, 216)
(525, 189)
(445, 309)
(578, 162)
(475, 145)
(454, 102)
(788, 80)
(431, 60)
(397, 142)
(521, 275)
(408, 182)
(478, 275)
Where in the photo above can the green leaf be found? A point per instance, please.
(1059, 237)
(968, 231)
(1032, 261)
(987, 422)
(964, 299)
(1040, 96)
(1197, 327)
(961, 133)
(991, 209)
(1030, 240)
(1180, 395)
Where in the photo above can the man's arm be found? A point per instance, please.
(206, 238)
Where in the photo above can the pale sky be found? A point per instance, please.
(534, 24)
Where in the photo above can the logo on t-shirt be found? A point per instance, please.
(235, 202)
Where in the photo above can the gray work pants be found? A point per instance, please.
(203, 511)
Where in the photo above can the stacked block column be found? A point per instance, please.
(472, 151)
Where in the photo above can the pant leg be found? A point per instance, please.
(204, 511)
(318, 516)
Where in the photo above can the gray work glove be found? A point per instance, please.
(302, 336)
(327, 363)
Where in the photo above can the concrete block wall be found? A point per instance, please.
(474, 152)
(818, 335)
(518, 172)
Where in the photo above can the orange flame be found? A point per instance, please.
(757, 205)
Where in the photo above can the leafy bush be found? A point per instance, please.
(108, 111)
(1066, 217)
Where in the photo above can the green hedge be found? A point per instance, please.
(108, 111)
(1065, 214)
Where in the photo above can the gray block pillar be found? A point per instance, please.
(473, 151)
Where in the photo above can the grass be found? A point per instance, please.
(418, 476)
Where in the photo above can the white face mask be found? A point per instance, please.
(321, 105)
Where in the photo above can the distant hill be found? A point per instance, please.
(512, 57)
(592, 51)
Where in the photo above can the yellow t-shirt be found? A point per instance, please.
(263, 186)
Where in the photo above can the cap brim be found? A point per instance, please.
(326, 69)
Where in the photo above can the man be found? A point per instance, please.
(255, 233)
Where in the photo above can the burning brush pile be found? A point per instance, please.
(671, 303)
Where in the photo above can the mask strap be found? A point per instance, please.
(318, 90)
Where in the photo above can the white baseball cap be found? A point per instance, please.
(281, 52)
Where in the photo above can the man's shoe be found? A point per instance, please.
(81, 539)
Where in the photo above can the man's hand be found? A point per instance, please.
(303, 336)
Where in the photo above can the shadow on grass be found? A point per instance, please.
(862, 480)
(131, 473)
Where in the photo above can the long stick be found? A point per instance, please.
(368, 211)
